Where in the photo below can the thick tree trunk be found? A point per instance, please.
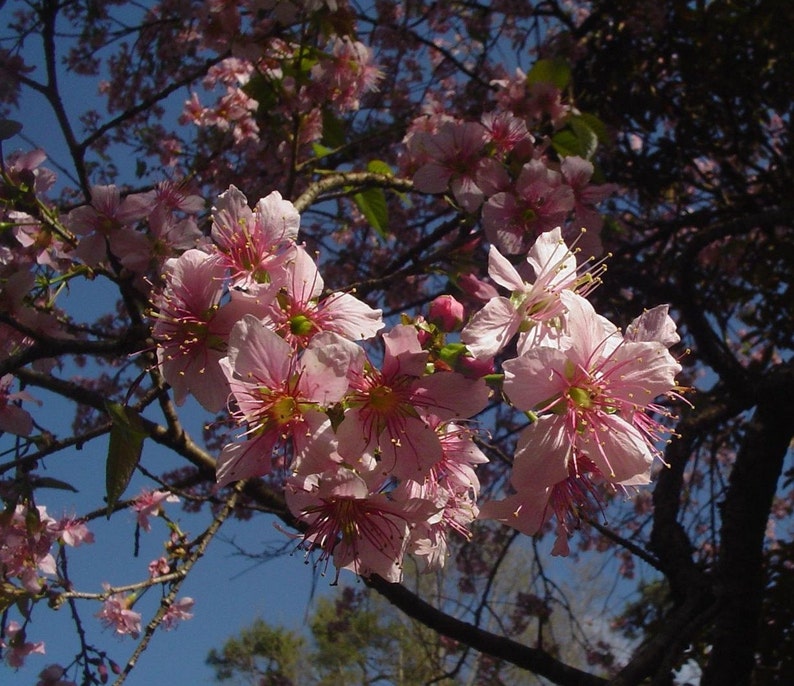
(739, 581)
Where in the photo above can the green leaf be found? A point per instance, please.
(379, 167)
(333, 130)
(49, 482)
(372, 204)
(599, 128)
(588, 140)
(576, 139)
(565, 143)
(126, 444)
(554, 71)
(9, 128)
(321, 150)
(264, 90)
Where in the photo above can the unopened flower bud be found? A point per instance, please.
(447, 313)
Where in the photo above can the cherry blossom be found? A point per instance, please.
(453, 156)
(13, 418)
(386, 423)
(53, 676)
(447, 312)
(191, 328)
(26, 539)
(361, 529)
(588, 400)
(590, 389)
(116, 614)
(541, 201)
(533, 308)
(280, 397)
(178, 611)
(150, 504)
(298, 313)
(254, 245)
(16, 648)
(106, 228)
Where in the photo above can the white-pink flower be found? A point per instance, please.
(540, 202)
(587, 393)
(534, 307)
(106, 226)
(16, 648)
(178, 611)
(254, 244)
(13, 418)
(589, 399)
(453, 156)
(386, 422)
(281, 397)
(116, 614)
(297, 313)
(192, 327)
(150, 504)
(362, 529)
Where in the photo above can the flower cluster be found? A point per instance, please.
(589, 391)
(27, 536)
(373, 442)
(498, 167)
(378, 461)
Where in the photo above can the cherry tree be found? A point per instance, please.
(441, 280)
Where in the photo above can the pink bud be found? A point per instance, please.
(476, 288)
(473, 368)
(447, 313)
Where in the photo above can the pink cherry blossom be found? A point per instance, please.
(361, 529)
(192, 326)
(159, 567)
(254, 245)
(386, 420)
(540, 202)
(280, 397)
(505, 131)
(24, 167)
(106, 226)
(297, 313)
(16, 648)
(25, 543)
(346, 75)
(589, 391)
(577, 173)
(453, 486)
(654, 325)
(528, 510)
(447, 313)
(150, 504)
(73, 532)
(178, 611)
(116, 614)
(13, 418)
(53, 676)
(533, 308)
(454, 154)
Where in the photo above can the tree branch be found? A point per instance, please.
(531, 659)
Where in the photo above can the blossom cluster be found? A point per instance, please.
(374, 443)
(27, 538)
(377, 458)
(495, 166)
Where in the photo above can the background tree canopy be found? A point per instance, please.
(684, 111)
